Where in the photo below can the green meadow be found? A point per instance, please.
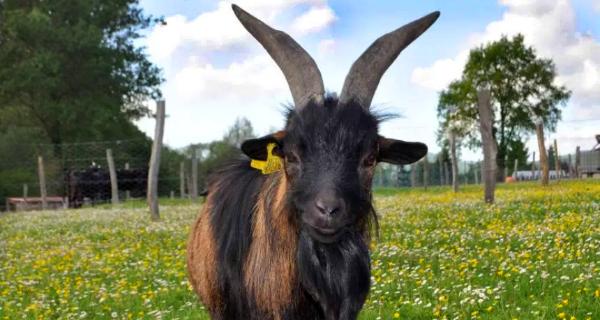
(535, 254)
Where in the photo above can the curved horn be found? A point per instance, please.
(299, 69)
(363, 78)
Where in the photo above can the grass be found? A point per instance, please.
(440, 255)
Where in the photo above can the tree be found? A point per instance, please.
(517, 151)
(240, 131)
(217, 153)
(522, 91)
(71, 68)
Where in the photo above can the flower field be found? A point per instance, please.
(439, 255)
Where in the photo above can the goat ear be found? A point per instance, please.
(400, 152)
(257, 148)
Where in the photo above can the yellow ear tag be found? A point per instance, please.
(273, 163)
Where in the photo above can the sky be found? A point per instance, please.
(215, 71)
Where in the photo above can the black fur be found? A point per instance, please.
(238, 186)
(336, 275)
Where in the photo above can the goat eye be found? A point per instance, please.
(369, 161)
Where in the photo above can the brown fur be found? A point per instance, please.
(202, 260)
(270, 271)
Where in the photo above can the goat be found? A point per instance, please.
(293, 244)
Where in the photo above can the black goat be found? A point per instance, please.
(293, 244)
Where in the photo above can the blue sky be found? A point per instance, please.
(216, 72)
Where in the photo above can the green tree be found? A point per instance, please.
(240, 131)
(216, 154)
(517, 151)
(523, 92)
(71, 68)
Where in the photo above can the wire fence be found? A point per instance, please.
(78, 174)
(436, 170)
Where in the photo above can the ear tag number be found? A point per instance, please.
(273, 163)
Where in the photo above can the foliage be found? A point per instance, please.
(523, 91)
(533, 255)
(70, 71)
(214, 155)
(517, 150)
(70, 67)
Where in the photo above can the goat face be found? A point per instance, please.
(330, 155)
(330, 146)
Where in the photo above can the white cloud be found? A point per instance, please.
(253, 77)
(441, 73)
(597, 6)
(220, 30)
(550, 27)
(314, 20)
(215, 71)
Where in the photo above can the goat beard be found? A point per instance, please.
(336, 275)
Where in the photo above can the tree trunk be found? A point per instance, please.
(539, 130)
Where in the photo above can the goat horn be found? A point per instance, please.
(299, 69)
(363, 78)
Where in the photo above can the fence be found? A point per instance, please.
(76, 174)
(437, 170)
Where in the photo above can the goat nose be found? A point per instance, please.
(328, 205)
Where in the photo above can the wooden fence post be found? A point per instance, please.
(25, 190)
(194, 175)
(454, 160)
(476, 173)
(425, 173)
(42, 180)
(539, 130)
(515, 169)
(533, 166)
(441, 169)
(505, 168)
(577, 161)
(556, 161)
(413, 175)
(182, 180)
(114, 187)
(127, 192)
(152, 192)
(490, 148)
